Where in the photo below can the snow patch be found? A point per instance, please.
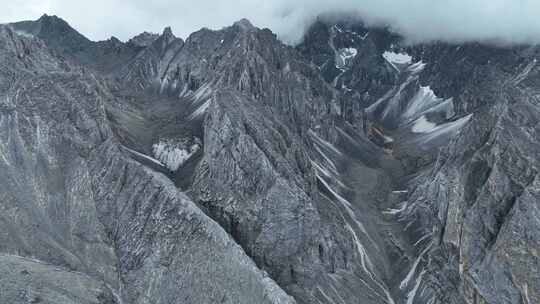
(397, 58)
(425, 101)
(203, 92)
(163, 84)
(200, 110)
(393, 104)
(4, 158)
(412, 271)
(155, 161)
(24, 34)
(345, 57)
(320, 141)
(363, 37)
(447, 128)
(185, 91)
(523, 75)
(424, 98)
(325, 295)
(412, 294)
(393, 211)
(387, 139)
(422, 125)
(174, 153)
(420, 240)
(416, 67)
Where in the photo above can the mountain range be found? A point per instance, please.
(230, 167)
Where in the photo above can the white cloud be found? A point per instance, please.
(455, 20)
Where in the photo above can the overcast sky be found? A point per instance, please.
(455, 20)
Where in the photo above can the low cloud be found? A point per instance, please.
(506, 21)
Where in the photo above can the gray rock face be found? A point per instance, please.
(255, 176)
(231, 168)
(467, 204)
(76, 202)
(25, 280)
(480, 198)
(167, 249)
(144, 39)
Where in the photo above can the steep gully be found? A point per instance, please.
(407, 142)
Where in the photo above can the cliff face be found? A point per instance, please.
(481, 198)
(85, 223)
(463, 121)
(231, 168)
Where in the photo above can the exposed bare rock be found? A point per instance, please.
(232, 168)
(73, 199)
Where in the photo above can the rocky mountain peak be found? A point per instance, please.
(244, 24)
(57, 33)
(54, 25)
(144, 39)
(50, 18)
(165, 38)
(167, 33)
(115, 40)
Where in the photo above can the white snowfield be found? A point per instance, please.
(422, 125)
(23, 33)
(397, 58)
(200, 110)
(345, 56)
(155, 161)
(425, 101)
(174, 154)
(416, 67)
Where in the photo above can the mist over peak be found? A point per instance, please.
(500, 21)
(504, 21)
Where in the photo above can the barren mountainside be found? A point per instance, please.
(230, 167)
